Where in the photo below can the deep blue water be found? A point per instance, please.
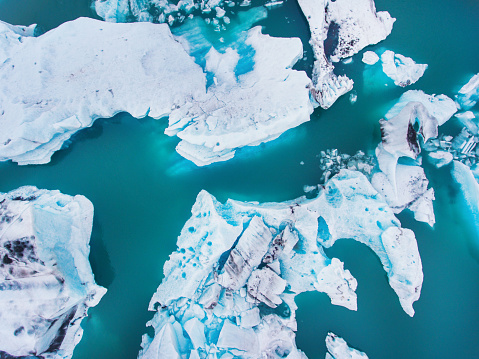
(143, 191)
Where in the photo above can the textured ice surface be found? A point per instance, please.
(401, 69)
(46, 283)
(356, 24)
(57, 84)
(469, 93)
(405, 186)
(370, 58)
(60, 82)
(229, 288)
(255, 95)
(339, 349)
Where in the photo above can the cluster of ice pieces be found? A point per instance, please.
(405, 185)
(351, 26)
(331, 162)
(401, 69)
(171, 12)
(339, 349)
(46, 284)
(59, 83)
(229, 288)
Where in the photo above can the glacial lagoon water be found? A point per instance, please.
(143, 191)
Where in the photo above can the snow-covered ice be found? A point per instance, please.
(357, 25)
(401, 69)
(339, 349)
(229, 288)
(59, 83)
(46, 284)
(469, 93)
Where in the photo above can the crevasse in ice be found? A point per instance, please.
(46, 283)
(229, 288)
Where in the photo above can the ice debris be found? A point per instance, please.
(331, 162)
(229, 288)
(59, 83)
(339, 349)
(401, 69)
(415, 115)
(46, 284)
(355, 25)
(165, 11)
(469, 94)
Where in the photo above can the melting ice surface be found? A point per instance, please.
(229, 288)
(339, 349)
(46, 283)
(60, 82)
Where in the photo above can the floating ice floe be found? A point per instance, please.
(339, 349)
(229, 288)
(356, 25)
(370, 58)
(46, 283)
(468, 182)
(59, 83)
(469, 94)
(405, 186)
(401, 69)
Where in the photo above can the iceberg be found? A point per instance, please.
(59, 83)
(229, 288)
(245, 108)
(339, 349)
(469, 93)
(465, 178)
(401, 69)
(405, 186)
(355, 25)
(46, 284)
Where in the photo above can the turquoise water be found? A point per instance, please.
(143, 191)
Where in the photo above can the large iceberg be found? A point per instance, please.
(415, 115)
(339, 349)
(46, 284)
(59, 83)
(229, 288)
(350, 26)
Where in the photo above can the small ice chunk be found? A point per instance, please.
(370, 58)
(440, 158)
(469, 93)
(401, 69)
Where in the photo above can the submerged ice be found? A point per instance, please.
(46, 284)
(59, 83)
(229, 288)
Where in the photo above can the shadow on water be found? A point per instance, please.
(99, 258)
